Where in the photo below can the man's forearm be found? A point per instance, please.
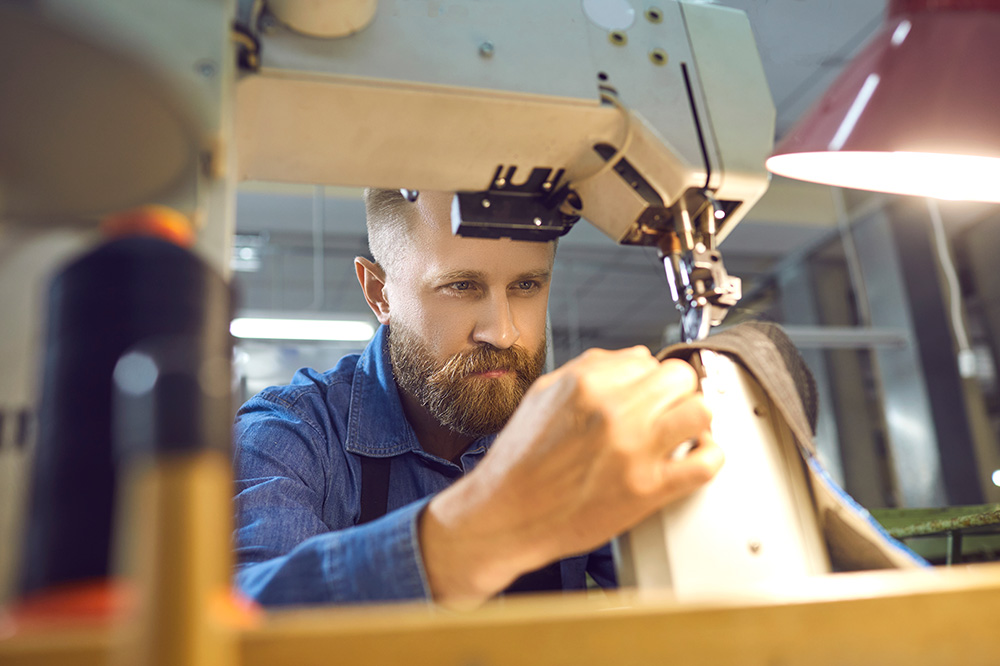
(471, 547)
(379, 561)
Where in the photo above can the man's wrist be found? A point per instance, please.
(468, 556)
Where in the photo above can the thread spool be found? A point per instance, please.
(111, 299)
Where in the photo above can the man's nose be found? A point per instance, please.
(495, 324)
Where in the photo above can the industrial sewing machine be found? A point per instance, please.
(650, 122)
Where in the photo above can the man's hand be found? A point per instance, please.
(587, 455)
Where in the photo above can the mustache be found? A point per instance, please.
(486, 358)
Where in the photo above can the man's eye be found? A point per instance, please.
(464, 285)
(527, 285)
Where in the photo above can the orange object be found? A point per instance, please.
(90, 601)
(234, 609)
(152, 220)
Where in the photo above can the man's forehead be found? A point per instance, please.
(457, 257)
(434, 208)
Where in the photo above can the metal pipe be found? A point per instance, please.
(319, 249)
(330, 18)
(854, 272)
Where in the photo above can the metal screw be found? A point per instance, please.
(537, 221)
(486, 203)
(209, 164)
(618, 38)
(206, 68)
(501, 182)
(654, 15)
(24, 430)
(658, 57)
(755, 547)
(546, 186)
(267, 23)
(486, 49)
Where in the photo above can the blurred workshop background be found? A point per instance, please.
(892, 300)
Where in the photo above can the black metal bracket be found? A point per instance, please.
(531, 210)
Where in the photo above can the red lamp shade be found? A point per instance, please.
(917, 112)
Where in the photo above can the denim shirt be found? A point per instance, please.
(298, 485)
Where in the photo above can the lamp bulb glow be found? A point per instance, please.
(938, 175)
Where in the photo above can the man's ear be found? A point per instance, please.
(372, 279)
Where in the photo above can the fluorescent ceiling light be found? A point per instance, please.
(260, 328)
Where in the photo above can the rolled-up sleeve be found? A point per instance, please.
(286, 552)
(379, 561)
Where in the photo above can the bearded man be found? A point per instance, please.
(385, 478)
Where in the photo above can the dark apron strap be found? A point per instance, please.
(374, 488)
(375, 501)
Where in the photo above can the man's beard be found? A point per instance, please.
(464, 403)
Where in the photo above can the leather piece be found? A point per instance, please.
(854, 540)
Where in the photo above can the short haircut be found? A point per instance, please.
(387, 216)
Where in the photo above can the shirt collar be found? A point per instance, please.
(377, 426)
